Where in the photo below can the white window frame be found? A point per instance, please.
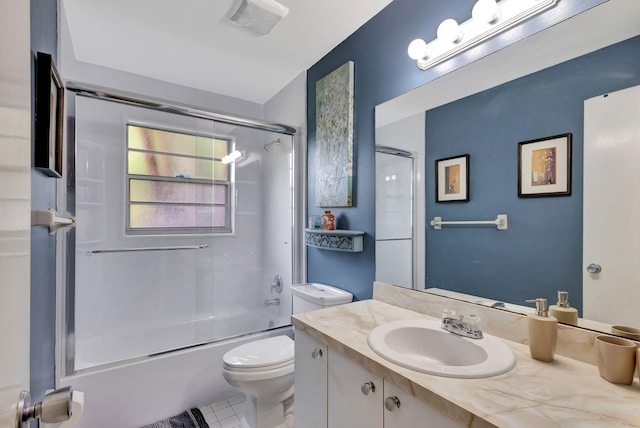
(229, 227)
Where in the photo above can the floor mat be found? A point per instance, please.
(192, 418)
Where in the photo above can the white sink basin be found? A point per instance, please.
(422, 345)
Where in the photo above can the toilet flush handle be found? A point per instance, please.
(316, 353)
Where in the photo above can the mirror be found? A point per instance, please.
(542, 250)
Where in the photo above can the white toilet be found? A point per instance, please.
(263, 369)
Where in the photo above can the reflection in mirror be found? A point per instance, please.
(542, 250)
(394, 216)
(399, 227)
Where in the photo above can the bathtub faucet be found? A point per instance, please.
(272, 302)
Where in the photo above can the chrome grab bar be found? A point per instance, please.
(126, 250)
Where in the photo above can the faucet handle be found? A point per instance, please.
(448, 313)
(473, 321)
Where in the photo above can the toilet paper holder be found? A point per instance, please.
(54, 407)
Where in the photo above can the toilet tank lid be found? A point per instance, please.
(261, 353)
(321, 294)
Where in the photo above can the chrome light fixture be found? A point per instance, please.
(489, 18)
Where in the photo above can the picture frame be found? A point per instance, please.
(452, 179)
(49, 117)
(544, 167)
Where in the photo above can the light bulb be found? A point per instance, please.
(418, 49)
(449, 31)
(486, 11)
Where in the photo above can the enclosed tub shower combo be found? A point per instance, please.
(183, 250)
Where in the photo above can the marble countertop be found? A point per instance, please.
(563, 393)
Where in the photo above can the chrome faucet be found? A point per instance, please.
(272, 302)
(469, 327)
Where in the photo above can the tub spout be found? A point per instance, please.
(272, 302)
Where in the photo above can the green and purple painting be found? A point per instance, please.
(334, 138)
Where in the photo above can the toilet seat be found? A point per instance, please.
(256, 369)
(260, 355)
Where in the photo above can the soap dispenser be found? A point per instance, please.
(543, 332)
(562, 311)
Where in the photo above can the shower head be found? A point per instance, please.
(267, 146)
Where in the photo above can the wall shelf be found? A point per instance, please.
(336, 240)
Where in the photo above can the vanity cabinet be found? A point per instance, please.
(310, 377)
(355, 395)
(334, 391)
(412, 412)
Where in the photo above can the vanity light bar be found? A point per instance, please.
(489, 19)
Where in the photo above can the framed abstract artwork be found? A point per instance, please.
(452, 179)
(49, 117)
(334, 138)
(544, 167)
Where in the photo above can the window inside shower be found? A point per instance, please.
(178, 182)
(183, 223)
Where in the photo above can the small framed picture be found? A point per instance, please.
(452, 179)
(544, 167)
(49, 117)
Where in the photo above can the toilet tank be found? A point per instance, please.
(312, 296)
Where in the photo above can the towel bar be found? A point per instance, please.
(500, 222)
(51, 218)
(126, 250)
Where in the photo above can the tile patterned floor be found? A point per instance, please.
(226, 414)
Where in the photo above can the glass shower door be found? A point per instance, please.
(184, 225)
(394, 217)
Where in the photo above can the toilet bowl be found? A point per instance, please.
(263, 370)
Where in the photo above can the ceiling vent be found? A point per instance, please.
(259, 16)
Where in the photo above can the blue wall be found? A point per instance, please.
(541, 252)
(44, 33)
(384, 71)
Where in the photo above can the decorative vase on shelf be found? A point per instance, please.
(328, 221)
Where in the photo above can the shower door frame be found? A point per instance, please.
(67, 197)
(403, 154)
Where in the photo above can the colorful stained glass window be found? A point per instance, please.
(177, 181)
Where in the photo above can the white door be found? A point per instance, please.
(612, 207)
(15, 204)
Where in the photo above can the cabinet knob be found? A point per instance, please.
(367, 388)
(316, 353)
(392, 403)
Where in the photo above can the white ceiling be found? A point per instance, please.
(192, 43)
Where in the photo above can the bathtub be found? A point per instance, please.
(144, 390)
(95, 349)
